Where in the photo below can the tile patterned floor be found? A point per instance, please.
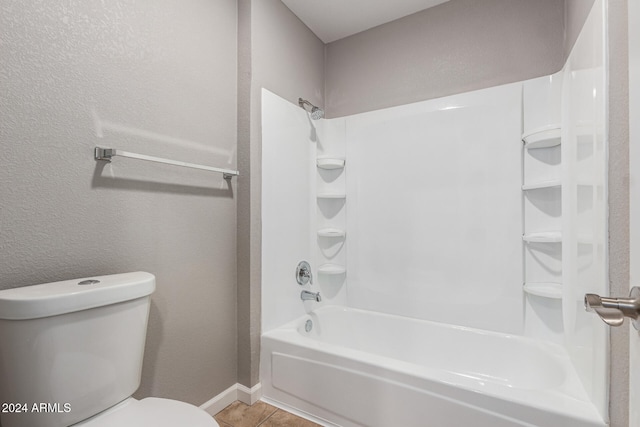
(261, 414)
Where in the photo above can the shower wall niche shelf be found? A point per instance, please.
(331, 269)
(332, 195)
(546, 290)
(543, 237)
(543, 184)
(330, 163)
(584, 239)
(331, 232)
(546, 137)
(331, 208)
(543, 188)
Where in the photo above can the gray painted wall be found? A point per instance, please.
(619, 267)
(248, 319)
(156, 77)
(575, 13)
(288, 59)
(455, 47)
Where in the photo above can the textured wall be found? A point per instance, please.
(619, 203)
(288, 59)
(156, 77)
(455, 47)
(634, 202)
(248, 322)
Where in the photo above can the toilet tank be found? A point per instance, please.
(71, 349)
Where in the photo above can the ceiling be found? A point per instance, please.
(332, 20)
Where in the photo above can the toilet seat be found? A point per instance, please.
(151, 411)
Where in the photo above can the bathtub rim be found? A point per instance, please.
(579, 407)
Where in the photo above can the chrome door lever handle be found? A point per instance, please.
(613, 310)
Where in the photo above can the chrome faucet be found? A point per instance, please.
(310, 296)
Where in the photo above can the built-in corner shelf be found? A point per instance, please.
(585, 239)
(331, 232)
(542, 184)
(546, 290)
(543, 237)
(330, 163)
(546, 137)
(331, 269)
(332, 196)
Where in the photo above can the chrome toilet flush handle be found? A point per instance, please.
(613, 310)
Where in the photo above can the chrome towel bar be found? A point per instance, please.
(108, 153)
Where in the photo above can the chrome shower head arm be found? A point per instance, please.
(315, 112)
(303, 102)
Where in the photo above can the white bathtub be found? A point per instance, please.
(361, 368)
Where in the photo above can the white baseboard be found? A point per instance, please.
(230, 395)
(249, 395)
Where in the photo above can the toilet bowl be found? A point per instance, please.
(153, 412)
(72, 353)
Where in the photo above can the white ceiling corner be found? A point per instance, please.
(332, 20)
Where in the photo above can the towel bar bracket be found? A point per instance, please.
(104, 153)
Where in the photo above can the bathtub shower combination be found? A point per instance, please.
(358, 367)
(449, 243)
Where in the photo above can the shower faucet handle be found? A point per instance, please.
(612, 311)
(303, 273)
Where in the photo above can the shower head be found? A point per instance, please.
(315, 112)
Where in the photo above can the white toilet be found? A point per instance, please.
(71, 355)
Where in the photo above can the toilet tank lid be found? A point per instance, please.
(51, 299)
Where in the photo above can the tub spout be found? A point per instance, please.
(306, 295)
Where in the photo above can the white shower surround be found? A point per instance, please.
(424, 183)
(288, 207)
(434, 214)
